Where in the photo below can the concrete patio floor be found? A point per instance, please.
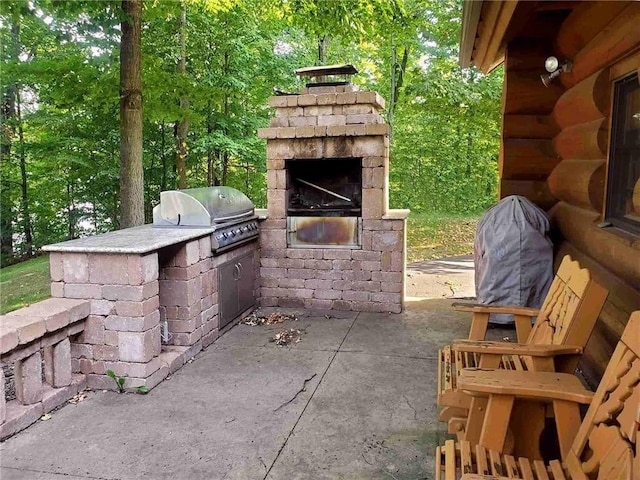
(355, 399)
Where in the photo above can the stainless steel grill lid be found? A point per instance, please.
(201, 207)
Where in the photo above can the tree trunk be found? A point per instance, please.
(7, 126)
(24, 203)
(163, 180)
(182, 125)
(323, 44)
(131, 173)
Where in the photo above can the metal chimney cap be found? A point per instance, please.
(322, 70)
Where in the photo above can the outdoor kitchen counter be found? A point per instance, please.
(135, 240)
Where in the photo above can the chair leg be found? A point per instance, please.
(496, 422)
(568, 421)
(475, 420)
(527, 423)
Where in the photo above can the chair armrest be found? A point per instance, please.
(534, 385)
(508, 309)
(503, 348)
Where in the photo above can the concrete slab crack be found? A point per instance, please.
(415, 413)
(304, 388)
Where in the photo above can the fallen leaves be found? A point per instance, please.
(287, 337)
(77, 398)
(271, 319)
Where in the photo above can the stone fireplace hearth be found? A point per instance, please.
(330, 241)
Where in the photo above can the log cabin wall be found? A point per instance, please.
(555, 146)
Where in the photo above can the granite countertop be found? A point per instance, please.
(135, 240)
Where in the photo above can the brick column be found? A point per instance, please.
(123, 331)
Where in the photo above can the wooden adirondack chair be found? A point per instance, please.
(562, 329)
(605, 447)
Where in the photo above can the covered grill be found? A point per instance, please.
(226, 209)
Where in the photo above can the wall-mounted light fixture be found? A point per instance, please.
(555, 68)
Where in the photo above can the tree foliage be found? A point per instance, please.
(64, 66)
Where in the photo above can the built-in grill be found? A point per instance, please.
(226, 209)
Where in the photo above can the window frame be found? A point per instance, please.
(614, 206)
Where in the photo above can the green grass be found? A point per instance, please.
(24, 283)
(429, 236)
(437, 235)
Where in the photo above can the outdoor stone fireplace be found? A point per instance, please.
(330, 240)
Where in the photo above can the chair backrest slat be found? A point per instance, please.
(606, 446)
(563, 304)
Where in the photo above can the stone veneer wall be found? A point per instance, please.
(130, 297)
(332, 122)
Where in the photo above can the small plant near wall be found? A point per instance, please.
(119, 380)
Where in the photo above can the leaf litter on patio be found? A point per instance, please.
(282, 338)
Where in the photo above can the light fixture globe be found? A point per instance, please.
(551, 64)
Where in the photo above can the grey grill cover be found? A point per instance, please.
(513, 256)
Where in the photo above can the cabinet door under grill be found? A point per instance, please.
(236, 280)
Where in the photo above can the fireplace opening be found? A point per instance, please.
(324, 188)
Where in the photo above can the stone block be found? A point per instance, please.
(291, 302)
(378, 129)
(27, 328)
(373, 162)
(186, 339)
(329, 275)
(388, 277)
(336, 254)
(303, 121)
(388, 241)
(209, 338)
(318, 304)
(320, 131)
(357, 275)
(341, 305)
(391, 287)
(57, 289)
(346, 98)
(315, 284)
(316, 111)
(368, 147)
(305, 100)
(93, 332)
(276, 204)
(326, 99)
(371, 266)
(359, 109)
(150, 382)
(277, 151)
(123, 292)
(28, 379)
(290, 282)
(277, 101)
(3, 401)
(57, 364)
(139, 346)
(173, 359)
(108, 269)
(276, 122)
(75, 267)
(54, 397)
(372, 203)
(354, 130)
(292, 100)
(188, 254)
(82, 291)
(331, 120)
(320, 89)
(386, 297)
(305, 132)
(373, 177)
(132, 324)
(137, 309)
(286, 132)
(341, 264)
(273, 239)
(318, 264)
(366, 255)
(8, 338)
(356, 295)
(267, 133)
(336, 130)
(366, 286)
(19, 417)
(327, 294)
(56, 268)
(81, 350)
(142, 268)
(102, 307)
